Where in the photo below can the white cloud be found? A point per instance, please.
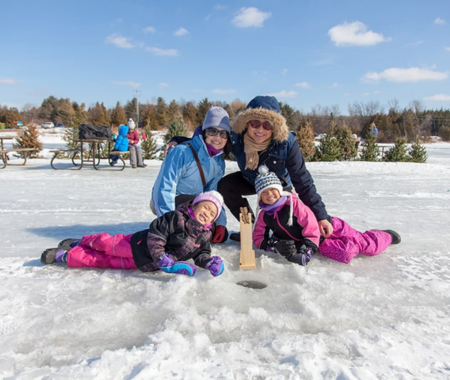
(119, 41)
(219, 91)
(284, 72)
(302, 85)
(250, 18)
(149, 29)
(438, 98)
(284, 94)
(180, 32)
(334, 85)
(129, 83)
(447, 48)
(8, 81)
(355, 34)
(412, 74)
(439, 21)
(161, 52)
(163, 85)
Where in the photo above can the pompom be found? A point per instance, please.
(263, 169)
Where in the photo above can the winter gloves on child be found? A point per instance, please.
(168, 265)
(215, 266)
(288, 249)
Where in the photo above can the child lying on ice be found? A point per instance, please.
(172, 239)
(295, 231)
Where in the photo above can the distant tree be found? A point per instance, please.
(398, 153)
(417, 152)
(98, 115)
(173, 110)
(189, 111)
(329, 148)
(80, 116)
(370, 150)
(149, 147)
(63, 111)
(29, 138)
(176, 128)
(346, 143)
(9, 116)
(444, 133)
(118, 116)
(29, 113)
(305, 138)
(202, 108)
(47, 109)
(131, 108)
(149, 117)
(288, 112)
(162, 115)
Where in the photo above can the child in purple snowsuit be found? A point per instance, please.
(173, 238)
(295, 231)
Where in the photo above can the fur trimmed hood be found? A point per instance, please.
(263, 108)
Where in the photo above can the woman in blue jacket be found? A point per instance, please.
(180, 177)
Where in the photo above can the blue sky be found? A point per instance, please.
(306, 53)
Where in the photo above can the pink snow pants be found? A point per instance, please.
(345, 242)
(102, 251)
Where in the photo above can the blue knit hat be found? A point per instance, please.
(265, 180)
(217, 117)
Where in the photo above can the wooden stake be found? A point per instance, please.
(247, 256)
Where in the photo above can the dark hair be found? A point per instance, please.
(226, 148)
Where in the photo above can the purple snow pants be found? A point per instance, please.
(102, 251)
(345, 242)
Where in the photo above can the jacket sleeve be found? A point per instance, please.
(204, 255)
(308, 221)
(260, 232)
(133, 137)
(158, 233)
(165, 187)
(303, 182)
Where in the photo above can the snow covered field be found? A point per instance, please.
(384, 317)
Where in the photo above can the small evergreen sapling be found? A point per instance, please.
(398, 153)
(329, 148)
(417, 152)
(370, 150)
(29, 138)
(305, 138)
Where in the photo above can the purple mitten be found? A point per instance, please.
(215, 266)
(167, 265)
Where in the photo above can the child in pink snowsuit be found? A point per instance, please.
(172, 239)
(285, 225)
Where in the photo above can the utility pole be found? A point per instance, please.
(137, 106)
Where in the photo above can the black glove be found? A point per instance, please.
(283, 247)
(302, 257)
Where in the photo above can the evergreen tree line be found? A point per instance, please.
(409, 122)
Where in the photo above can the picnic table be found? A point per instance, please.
(4, 152)
(79, 158)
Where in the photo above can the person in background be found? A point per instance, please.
(194, 167)
(121, 143)
(285, 225)
(134, 146)
(374, 129)
(166, 245)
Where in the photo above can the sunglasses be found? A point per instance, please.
(255, 124)
(215, 132)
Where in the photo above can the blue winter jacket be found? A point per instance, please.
(122, 140)
(286, 161)
(179, 174)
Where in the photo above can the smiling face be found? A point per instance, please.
(216, 141)
(205, 212)
(270, 195)
(260, 134)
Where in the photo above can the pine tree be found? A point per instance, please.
(80, 116)
(370, 150)
(118, 116)
(329, 148)
(202, 108)
(398, 153)
(346, 143)
(29, 138)
(149, 147)
(417, 152)
(305, 138)
(176, 128)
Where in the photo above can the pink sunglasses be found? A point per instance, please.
(255, 124)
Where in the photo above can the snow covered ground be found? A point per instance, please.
(384, 317)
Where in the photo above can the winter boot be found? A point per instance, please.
(51, 255)
(396, 239)
(70, 242)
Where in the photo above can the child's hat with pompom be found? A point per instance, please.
(265, 180)
(211, 196)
